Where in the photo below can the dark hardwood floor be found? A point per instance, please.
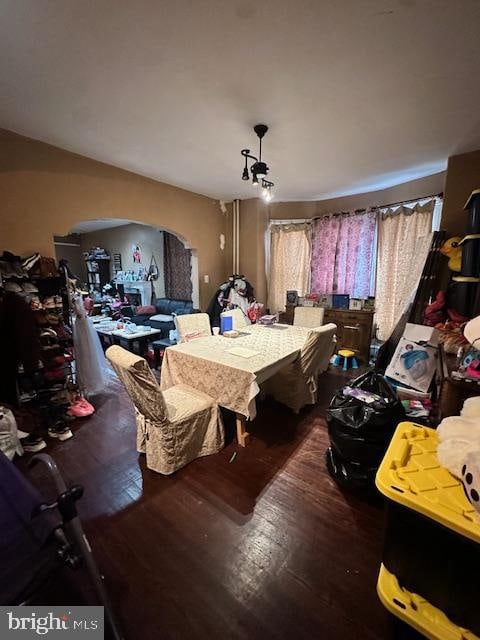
(266, 546)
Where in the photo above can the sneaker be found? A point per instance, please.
(52, 318)
(58, 302)
(35, 304)
(27, 263)
(13, 287)
(49, 303)
(60, 431)
(29, 287)
(33, 443)
(27, 396)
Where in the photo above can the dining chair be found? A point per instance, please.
(191, 326)
(174, 426)
(309, 317)
(296, 384)
(239, 319)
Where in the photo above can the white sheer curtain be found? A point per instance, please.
(290, 251)
(404, 238)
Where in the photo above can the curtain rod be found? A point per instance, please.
(380, 206)
(397, 204)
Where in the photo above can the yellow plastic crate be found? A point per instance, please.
(411, 475)
(416, 611)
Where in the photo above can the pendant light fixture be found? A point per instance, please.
(258, 169)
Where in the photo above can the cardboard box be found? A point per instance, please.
(415, 359)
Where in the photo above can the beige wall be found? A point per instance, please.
(255, 216)
(45, 191)
(431, 185)
(120, 240)
(463, 176)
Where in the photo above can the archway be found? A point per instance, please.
(132, 247)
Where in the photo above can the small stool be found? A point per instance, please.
(349, 360)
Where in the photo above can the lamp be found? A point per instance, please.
(258, 169)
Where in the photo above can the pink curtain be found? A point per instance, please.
(342, 254)
(324, 248)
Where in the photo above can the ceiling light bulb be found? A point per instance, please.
(267, 195)
(245, 175)
(255, 179)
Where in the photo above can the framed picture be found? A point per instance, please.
(136, 254)
(292, 298)
(325, 301)
(356, 304)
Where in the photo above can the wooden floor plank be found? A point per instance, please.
(266, 546)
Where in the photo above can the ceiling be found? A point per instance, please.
(98, 224)
(359, 94)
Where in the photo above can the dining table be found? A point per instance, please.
(231, 369)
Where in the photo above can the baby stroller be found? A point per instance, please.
(37, 538)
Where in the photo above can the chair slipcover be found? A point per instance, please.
(174, 426)
(192, 325)
(296, 384)
(309, 317)
(239, 319)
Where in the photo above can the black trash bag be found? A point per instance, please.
(359, 432)
(349, 475)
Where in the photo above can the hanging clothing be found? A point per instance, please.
(91, 365)
(19, 343)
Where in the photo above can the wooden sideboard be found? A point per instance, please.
(354, 328)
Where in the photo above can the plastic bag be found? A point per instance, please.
(360, 432)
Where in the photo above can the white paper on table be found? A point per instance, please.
(243, 352)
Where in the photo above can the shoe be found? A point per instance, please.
(60, 431)
(6, 269)
(81, 408)
(54, 375)
(35, 304)
(49, 303)
(13, 287)
(27, 263)
(52, 318)
(58, 302)
(33, 443)
(29, 287)
(27, 396)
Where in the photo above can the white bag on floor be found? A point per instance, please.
(9, 442)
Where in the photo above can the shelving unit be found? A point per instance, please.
(98, 273)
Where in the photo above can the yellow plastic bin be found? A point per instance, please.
(416, 611)
(432, 532)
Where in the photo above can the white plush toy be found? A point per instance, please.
(459, 427)
(471, 478)
(459, 448)
(471, 408)
(452, 454)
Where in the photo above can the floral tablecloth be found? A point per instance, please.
(232, 380)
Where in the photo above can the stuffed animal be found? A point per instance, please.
(459, 448)
(435, 312)
(454, 253)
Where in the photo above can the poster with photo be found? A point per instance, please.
(136, 254)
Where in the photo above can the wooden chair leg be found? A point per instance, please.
(242, 433)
